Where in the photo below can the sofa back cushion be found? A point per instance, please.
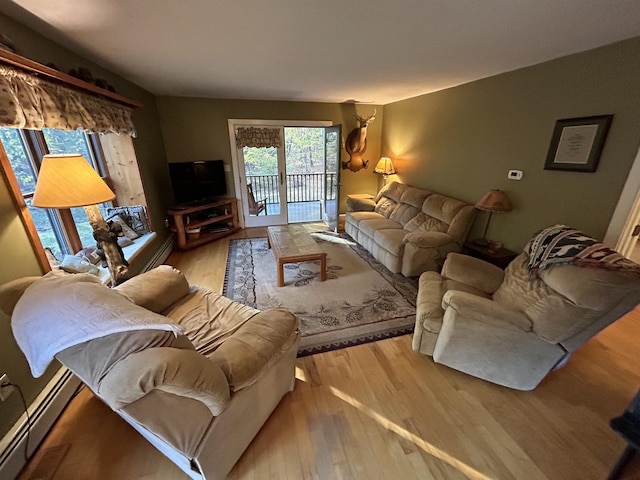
(426, 223)
(389, 198)
(564, 300)
(404, 213)
(385, 206)
(414, 196)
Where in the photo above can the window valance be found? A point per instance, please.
(27, 101)
(258, 137)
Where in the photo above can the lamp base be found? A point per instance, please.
(108, 242)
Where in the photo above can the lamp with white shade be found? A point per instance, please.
(68, 181)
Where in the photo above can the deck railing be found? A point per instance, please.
(301, 187)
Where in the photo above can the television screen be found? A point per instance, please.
(197, 182)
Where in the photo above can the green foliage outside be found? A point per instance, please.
(304, 150)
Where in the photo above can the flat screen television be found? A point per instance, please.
(197, 182)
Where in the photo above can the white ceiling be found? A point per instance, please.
(337, 51)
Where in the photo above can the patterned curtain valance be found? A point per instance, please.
(27, 101)
(258, 137)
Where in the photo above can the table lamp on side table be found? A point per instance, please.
(385, 168)
(67, 181)
(494, 201)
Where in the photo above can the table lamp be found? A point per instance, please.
(493, 201)
(384, 167)
(67, 181)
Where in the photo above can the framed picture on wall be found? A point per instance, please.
(577, 142)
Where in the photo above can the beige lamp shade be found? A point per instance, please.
(385, 166)
(67, 181)
(494, 201)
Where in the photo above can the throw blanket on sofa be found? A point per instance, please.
(85, 310)
(562, 245)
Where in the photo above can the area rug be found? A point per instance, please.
(360, 301)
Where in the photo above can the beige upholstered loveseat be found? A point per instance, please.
(513, 327)
(408, 229)
(194, 372)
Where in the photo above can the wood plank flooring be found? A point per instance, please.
(380, 411)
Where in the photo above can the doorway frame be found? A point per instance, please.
(233, 123)
(626, 214)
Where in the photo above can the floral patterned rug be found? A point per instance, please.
(360, 302)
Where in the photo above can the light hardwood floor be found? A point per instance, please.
(380, 411)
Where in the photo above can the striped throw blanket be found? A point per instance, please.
(562, 245)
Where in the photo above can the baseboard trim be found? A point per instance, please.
(161, 255)
(44, 411)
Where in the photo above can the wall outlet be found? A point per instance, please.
(5, 389)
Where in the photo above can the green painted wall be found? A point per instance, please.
(17, 258)
(463, 141)
(197, 129)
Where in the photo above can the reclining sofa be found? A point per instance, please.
(195, 373)
(407, 229)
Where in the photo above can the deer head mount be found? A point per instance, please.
(356, 143)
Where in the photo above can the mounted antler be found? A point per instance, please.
(356, 143)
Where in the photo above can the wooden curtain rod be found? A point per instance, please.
(23, 63)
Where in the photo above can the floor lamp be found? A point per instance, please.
(67, 181)
(493, 201)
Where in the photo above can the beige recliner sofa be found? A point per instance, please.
(407, 229)
(194, 372)
(510, 328)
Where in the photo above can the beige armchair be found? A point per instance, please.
(509, 328)
(195, 373)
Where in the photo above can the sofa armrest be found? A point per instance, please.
(428, 239)
(473, 272)
(247, 354)
(360, 204)
(179, 371)
(472, 307)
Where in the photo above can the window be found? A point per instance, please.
(63, 232)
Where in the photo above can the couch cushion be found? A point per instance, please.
(386, 206)
(247, 354)
(178, 371)
(392, 190)
(414, 196)
(354, 218)
(156, 289)
(554, 317)
(425, 223)
(391, 240)
(92, 360)
(441, 207)
(370, 227)
(404, 213)
(208, 318)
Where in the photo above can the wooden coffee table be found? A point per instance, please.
(293, 244)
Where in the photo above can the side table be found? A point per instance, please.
(501, 258)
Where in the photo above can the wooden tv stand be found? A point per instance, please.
(215, 220)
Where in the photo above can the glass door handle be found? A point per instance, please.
(281, 179)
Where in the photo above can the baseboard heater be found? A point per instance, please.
(43, 412)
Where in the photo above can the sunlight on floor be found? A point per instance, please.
(462, 467)
(404, 433)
